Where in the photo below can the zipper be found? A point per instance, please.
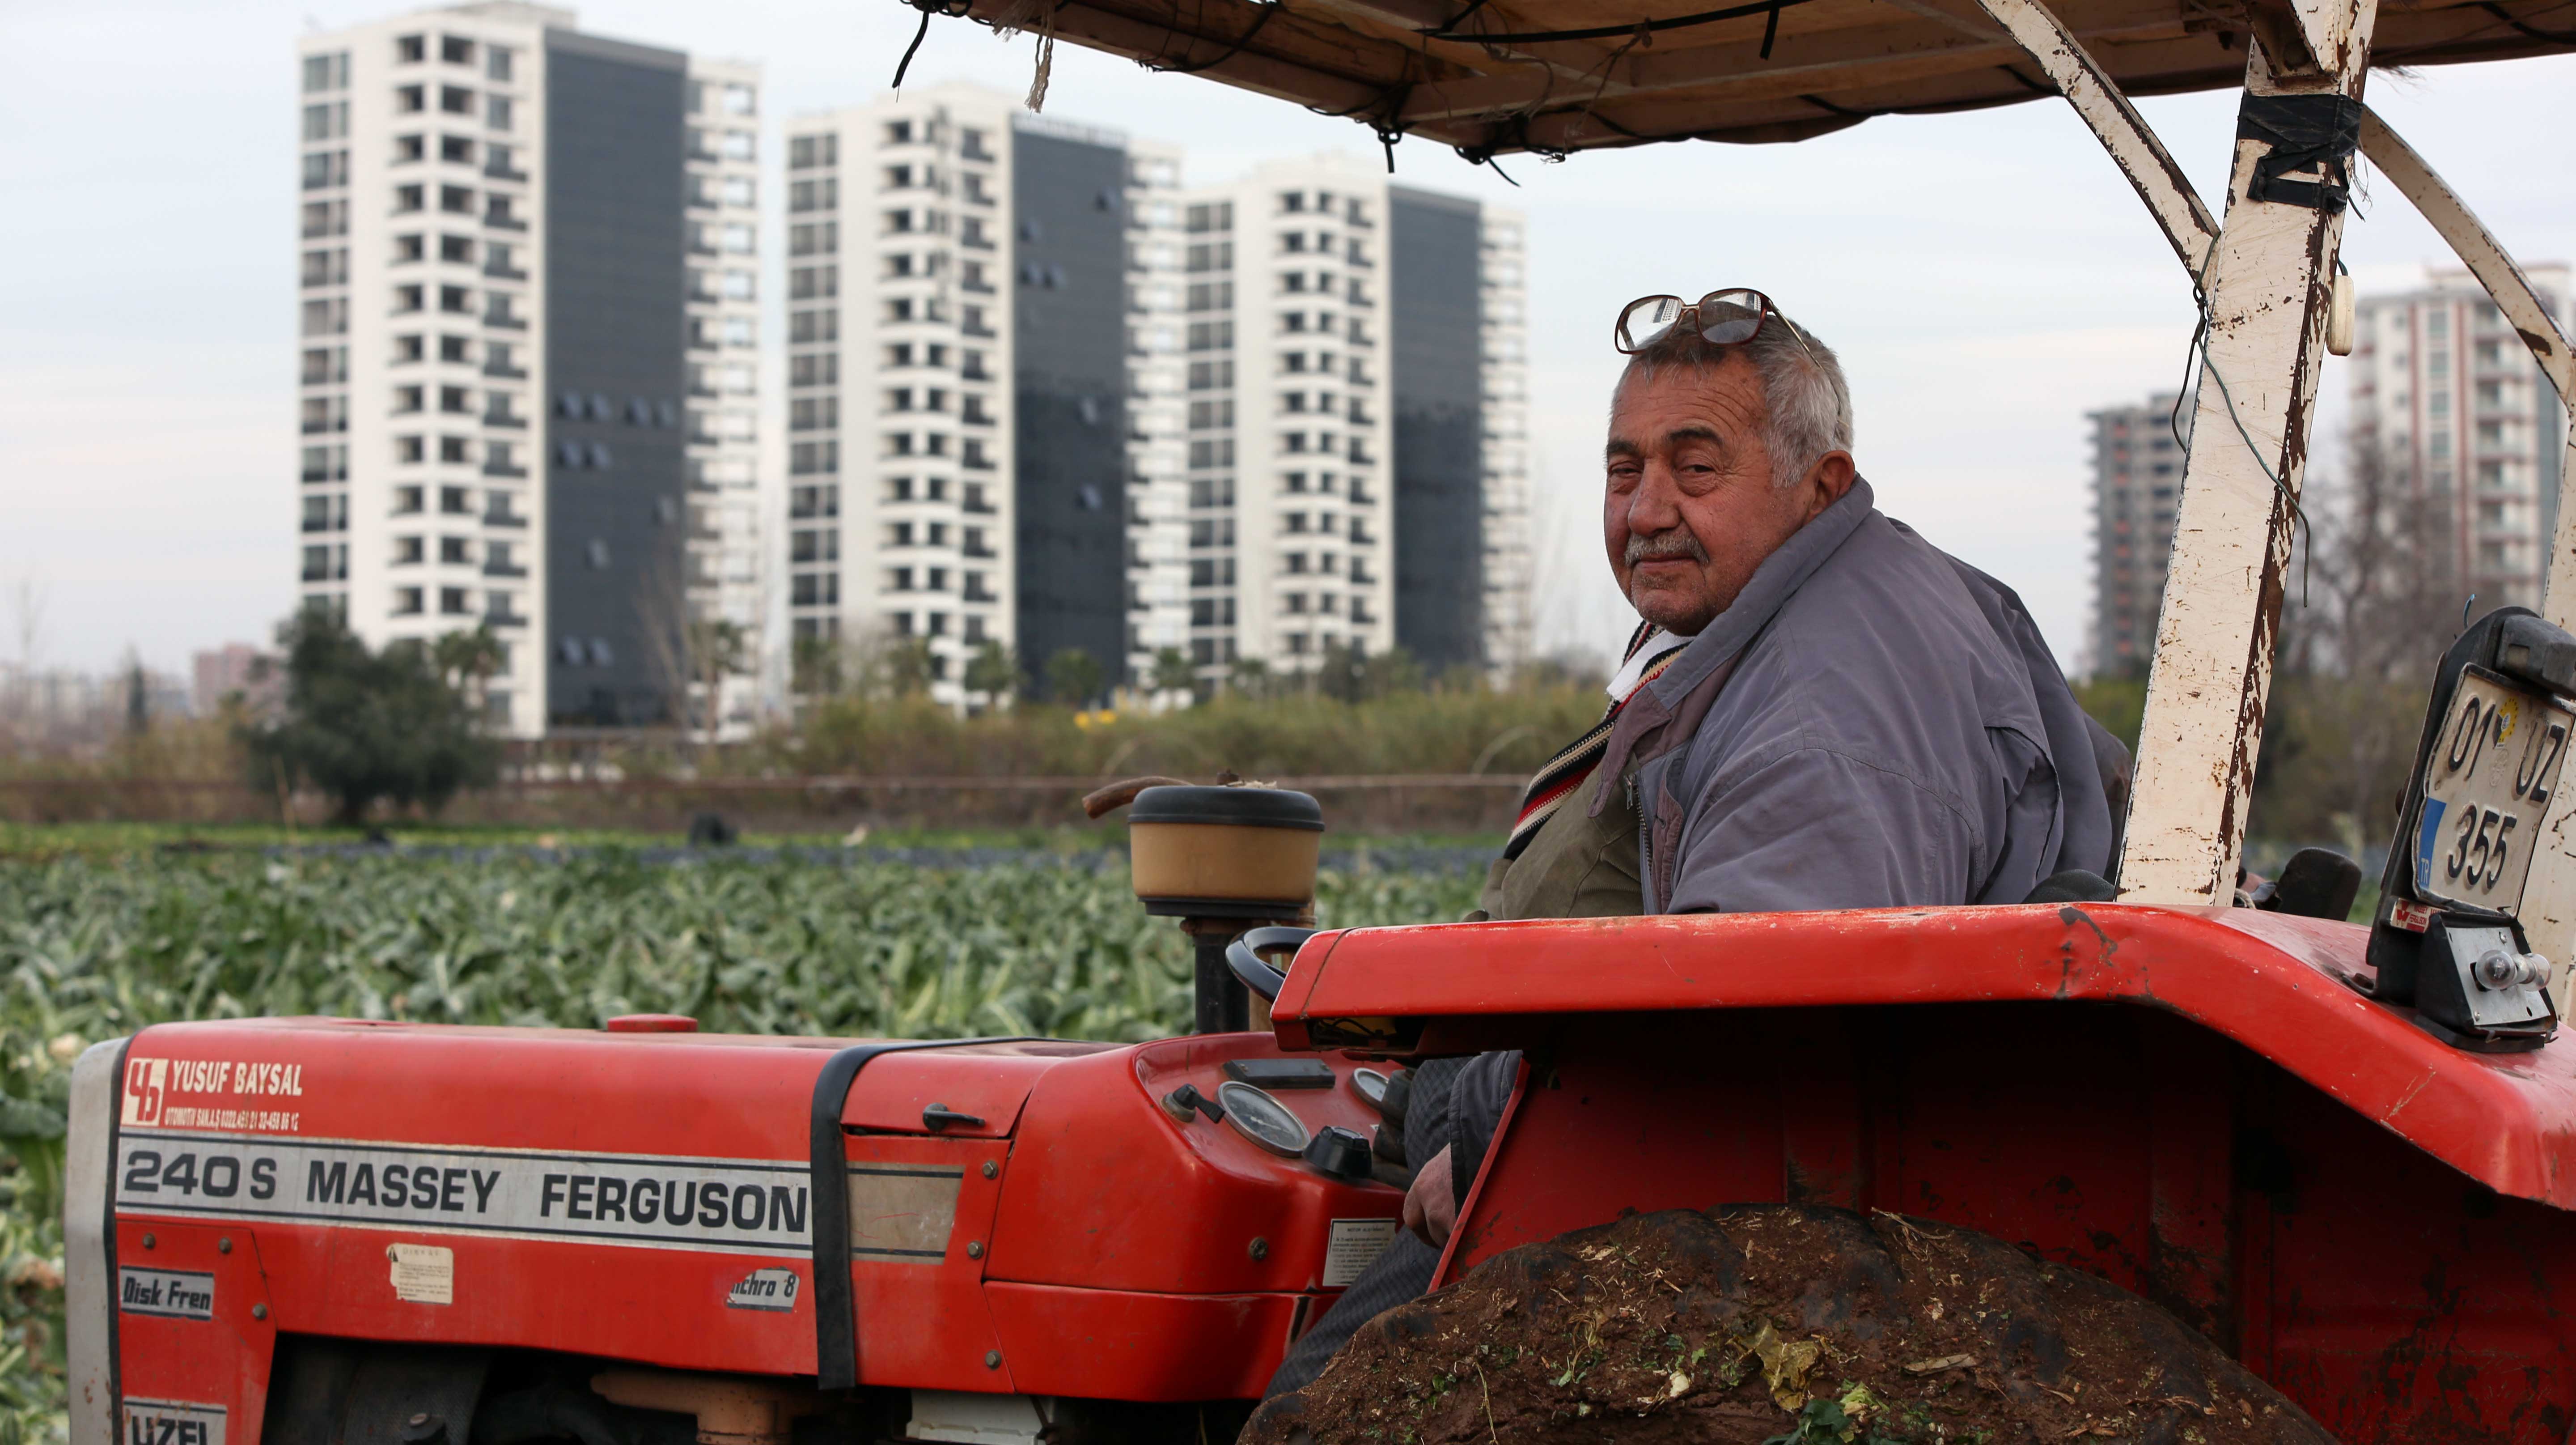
(1645, 846)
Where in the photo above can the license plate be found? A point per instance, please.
(2487, 782)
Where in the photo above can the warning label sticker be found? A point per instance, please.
(424, 1274)
(172, 1422)
(738, 1205)
(1355, 1245)
(178, 1294)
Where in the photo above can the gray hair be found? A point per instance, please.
(1803, 391)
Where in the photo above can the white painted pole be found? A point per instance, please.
(2269, 292)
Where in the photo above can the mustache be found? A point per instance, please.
(1665, 545)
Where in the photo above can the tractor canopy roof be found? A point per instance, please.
(1554, 76)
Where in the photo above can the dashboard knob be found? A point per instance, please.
(1339, 1153)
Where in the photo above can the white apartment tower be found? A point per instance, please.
(2456, 409)
(1291, 430)
(1358, 412)
(983, 426)
(1040, 396)
(528, 331)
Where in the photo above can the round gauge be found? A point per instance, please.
(1260, 1118)
(1370, 1085)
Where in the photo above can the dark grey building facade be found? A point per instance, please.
(1435, 324)
(616, 373)
(1069, 314)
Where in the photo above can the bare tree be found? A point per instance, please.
(688, 648)
(30, 599)
(2373, 599)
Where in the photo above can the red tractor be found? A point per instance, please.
(2342, 1158)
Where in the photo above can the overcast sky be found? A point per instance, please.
(1987, 278)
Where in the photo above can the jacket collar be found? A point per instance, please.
(1712, 654)
(1772, 585)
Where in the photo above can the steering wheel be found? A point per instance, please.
(1243, 956)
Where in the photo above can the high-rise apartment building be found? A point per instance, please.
(2447, 401)
(1357, 454)
(1041, 396)
(2137, 479)
(528, 333)
(1292, 430)
(982, 425)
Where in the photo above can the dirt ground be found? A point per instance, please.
(1782, 1324)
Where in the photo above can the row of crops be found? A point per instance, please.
(94, 948)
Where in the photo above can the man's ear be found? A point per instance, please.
(1827, 481)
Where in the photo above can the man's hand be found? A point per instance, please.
(1431, 1205)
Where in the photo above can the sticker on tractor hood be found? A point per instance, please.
(423, 1274)
(206, 1094)
(737, 1205)
(1352, 1247)
(178, 1294)
(764, 1289)
(172, 1422)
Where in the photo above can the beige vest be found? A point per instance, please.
(1578, 866)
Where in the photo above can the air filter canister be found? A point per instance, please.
(1233, 845)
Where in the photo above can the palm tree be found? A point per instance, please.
(992, 673)
(468, 661)
(1173, 673)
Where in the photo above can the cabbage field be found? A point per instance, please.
(923, 947)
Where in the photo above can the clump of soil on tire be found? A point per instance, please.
(1779, 1323)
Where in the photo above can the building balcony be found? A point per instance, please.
(504, 618)
(505, 419)
(979, 550)
(505, 273)
(504, 223)
(504, 469)
(504, 371)
(976, 462)
(978, 374)
(504, 569)
(980, 332)
(979, 594)
(979, 509)
(500, 518)
(976, 288)
(503, 320)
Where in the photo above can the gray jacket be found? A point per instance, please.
(1872, 723)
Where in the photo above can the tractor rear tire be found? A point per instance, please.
(1777, 1322)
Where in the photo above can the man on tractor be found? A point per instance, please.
(1818, 710)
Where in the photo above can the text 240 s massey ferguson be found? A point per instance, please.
(2344, 1155)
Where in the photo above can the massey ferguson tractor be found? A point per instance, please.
(2178, 1165)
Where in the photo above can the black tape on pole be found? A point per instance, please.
(2305, 132)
